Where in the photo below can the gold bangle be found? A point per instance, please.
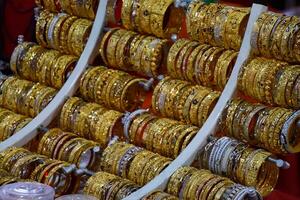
(171, 136)
(160, 96)
(136, 123)
(147, 168)
(143, 130)
(176, 179)
(157, 167)
(224, 67)
(208, 189)
(173, 55)
(235, 26)
(210, 23)
(210, 65)
(171, 97)
(28, 66)
(114, 93)
(110, 154)
(207, 106)
(133, 95)
(200, 14)
(188, 139)
(111, 50)
(54, 171)
(137, 164)
(181, 138)
(62, 66)
(44, 64)
(79, 37)
(88, 114)
(193, 18)
(144, 15)
(11, 156)
(240, 171)
(153, 58)
(41, 27)
(266, 31)
(196, 103)
(256, 31)
(182, 54)
(160, 26)
(66, 6)
(248, 77)
(279, 94)
(57, 30)
(190, 65)
(79, 150)
(126, 13)
(63, 36)
(65, 150)
(289, 87)
(157, 92)
(36, 172)
(48, 142)
(136, 56)
(194, 185)
(135, 47)
(189, 91)
(105, 127)
(123, 53)
(159, 135)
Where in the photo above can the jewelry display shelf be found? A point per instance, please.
(187, 156)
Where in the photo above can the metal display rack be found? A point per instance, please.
(187, 156)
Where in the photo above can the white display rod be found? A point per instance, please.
(44, 118)
(188, 155)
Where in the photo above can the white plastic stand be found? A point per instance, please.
(49, 113)
(188, 155)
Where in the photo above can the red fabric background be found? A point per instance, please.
(16, 22)
(18, 15)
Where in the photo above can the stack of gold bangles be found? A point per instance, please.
(112, 88)
(133, 163)
(62, 32)
(108, 186)
(91, 121)
(272, 128)
(234, 159)
(25, 97)
(182, 101)
(129, 51)
(202, 64)
(85, 10)
(161, 135)
(68, 147)
(35, 63)
(160, 18)
(271, 81)
(277, 36)
(217, 24)
(191, 183)
(6, 178)
(26, 165)
(11, 123)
